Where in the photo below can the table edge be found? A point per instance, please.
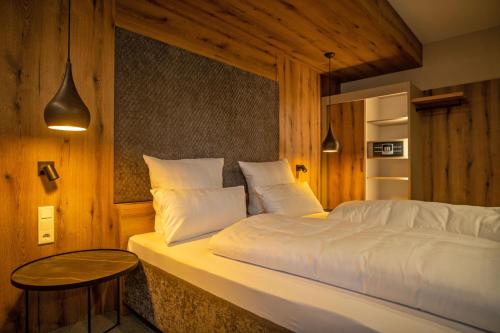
(81, 284)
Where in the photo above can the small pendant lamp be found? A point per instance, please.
(66, 111)
(330, 143)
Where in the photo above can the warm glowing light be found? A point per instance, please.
(68, 128)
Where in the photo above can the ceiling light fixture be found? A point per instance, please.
(330, 143)
(66, 111)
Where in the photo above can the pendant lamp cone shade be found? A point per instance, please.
(330, 144)
(67, 111)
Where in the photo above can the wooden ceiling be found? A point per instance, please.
(368, 36)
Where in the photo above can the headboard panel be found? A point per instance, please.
(172, 104)
(134, 218)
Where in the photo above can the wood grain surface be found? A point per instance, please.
(74, 269)
(345, 170)
(32, 64)
(368, 36)
(461, 159)
(133, 219)
(282, 40)
(300, 129)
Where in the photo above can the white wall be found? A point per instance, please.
(468, 58)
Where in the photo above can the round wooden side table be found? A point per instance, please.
(74, 270)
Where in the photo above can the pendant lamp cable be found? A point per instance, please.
(330, 144)
(69, 28)
(329, 55)
(329, 79)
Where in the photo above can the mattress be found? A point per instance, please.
(445, 273)
(296, 303)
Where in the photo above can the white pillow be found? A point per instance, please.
(158, 205)
(186, 173)
(482, 222)
(264, 174)
(190, 213)
(295, 199)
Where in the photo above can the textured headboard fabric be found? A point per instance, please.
(173, 104)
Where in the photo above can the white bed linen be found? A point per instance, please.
(452, 275)
(296, 303)
(482, 222)
(190, 213)
(294, 199)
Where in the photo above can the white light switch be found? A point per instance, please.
(45, 225)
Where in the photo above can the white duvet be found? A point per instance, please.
(439, 258)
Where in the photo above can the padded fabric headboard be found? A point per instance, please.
(173, 104)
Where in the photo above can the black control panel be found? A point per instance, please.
(388, 149)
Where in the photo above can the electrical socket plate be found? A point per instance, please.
(45, 225)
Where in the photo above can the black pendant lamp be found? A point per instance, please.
(67, 111)
(330, 144)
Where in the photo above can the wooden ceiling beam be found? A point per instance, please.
(171, 22)
(368, 36)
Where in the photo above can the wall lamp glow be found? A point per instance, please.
(300, 168)
(47, 168)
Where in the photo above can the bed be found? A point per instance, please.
(187, 288)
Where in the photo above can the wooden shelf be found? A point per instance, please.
(437, 101)
(387, 178)
(389, 122)
(388, 158)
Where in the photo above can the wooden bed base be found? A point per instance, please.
(170, 303)
(133, 219)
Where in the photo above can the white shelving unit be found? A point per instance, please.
(389, 117)
(389, 122)
(387, 178)
(386, 119)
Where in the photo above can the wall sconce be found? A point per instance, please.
(47, 168)
(300, 168)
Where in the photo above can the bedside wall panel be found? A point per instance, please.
(345, 170)
(32, 64)
(300, 131)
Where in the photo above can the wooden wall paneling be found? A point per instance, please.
(416, 147)
(32, 66)
(300, 118)
(369, 37)
(132, 219)
(33, 58)
(461, 162)
(345, 178)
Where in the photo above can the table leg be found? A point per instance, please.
(118, 301)
(26, 312)
(118, 306)
(89, 310)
